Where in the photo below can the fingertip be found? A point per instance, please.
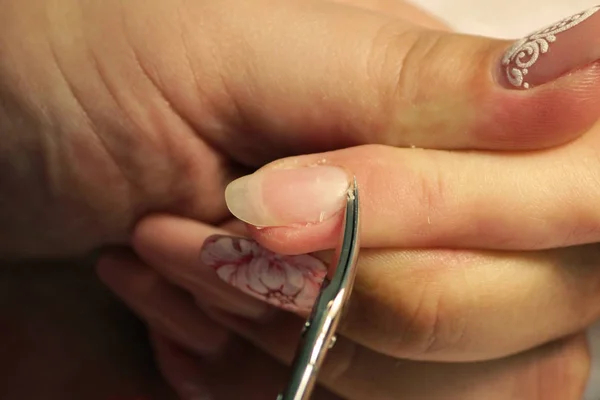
(160, 235)
(166, 241)
(151, 227)
(540, 118)
(299, 239)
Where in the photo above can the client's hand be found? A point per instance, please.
(110, 110)
(422, 324)
(490, 323)
(493, 323)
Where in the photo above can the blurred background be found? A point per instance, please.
(503, 18)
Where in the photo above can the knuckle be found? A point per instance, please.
(402, 66)
(430, 188)
(386, 71)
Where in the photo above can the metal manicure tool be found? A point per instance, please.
(318, 334)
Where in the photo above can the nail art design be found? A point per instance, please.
(288, 282)
(523, 55)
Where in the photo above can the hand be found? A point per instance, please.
(240, 370)
(431, 305)
(494, 323)
(112, 110)
(441, 307)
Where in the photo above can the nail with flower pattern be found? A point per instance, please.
(549, 53)
(289, 282)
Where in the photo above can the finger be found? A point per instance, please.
(175, 253)
(400, 9)
(555, 371)
(162, 305)
(424, 198)
(430, 305)
(467, 306)
(339, 76)
(234, 227)
(243, 373)
(564, 364)
(198, 278)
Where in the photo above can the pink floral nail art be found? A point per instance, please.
(288, 282)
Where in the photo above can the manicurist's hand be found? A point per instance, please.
(110, 110)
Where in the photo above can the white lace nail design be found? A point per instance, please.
(525, 53)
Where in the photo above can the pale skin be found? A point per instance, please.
(102, 130)
(106, 119)
(428, 306)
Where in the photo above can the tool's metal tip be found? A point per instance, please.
(319, 333)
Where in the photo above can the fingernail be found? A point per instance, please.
(552, 52)
(283, 197)
(288, 282)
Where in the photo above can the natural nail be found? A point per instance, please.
(283, 197)
(288, 282)
(552, 52)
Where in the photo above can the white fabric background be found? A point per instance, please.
(512, 19)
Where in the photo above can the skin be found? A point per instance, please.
(213, 342)
(54, 181)
(106, 120)
(101, 131)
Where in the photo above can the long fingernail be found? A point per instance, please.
(288, 282)
(552, 52)
(283, 197)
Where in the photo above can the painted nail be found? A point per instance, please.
(552, 52)
(283, 197)
(289, 282)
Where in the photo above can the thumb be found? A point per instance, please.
(313, 76)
